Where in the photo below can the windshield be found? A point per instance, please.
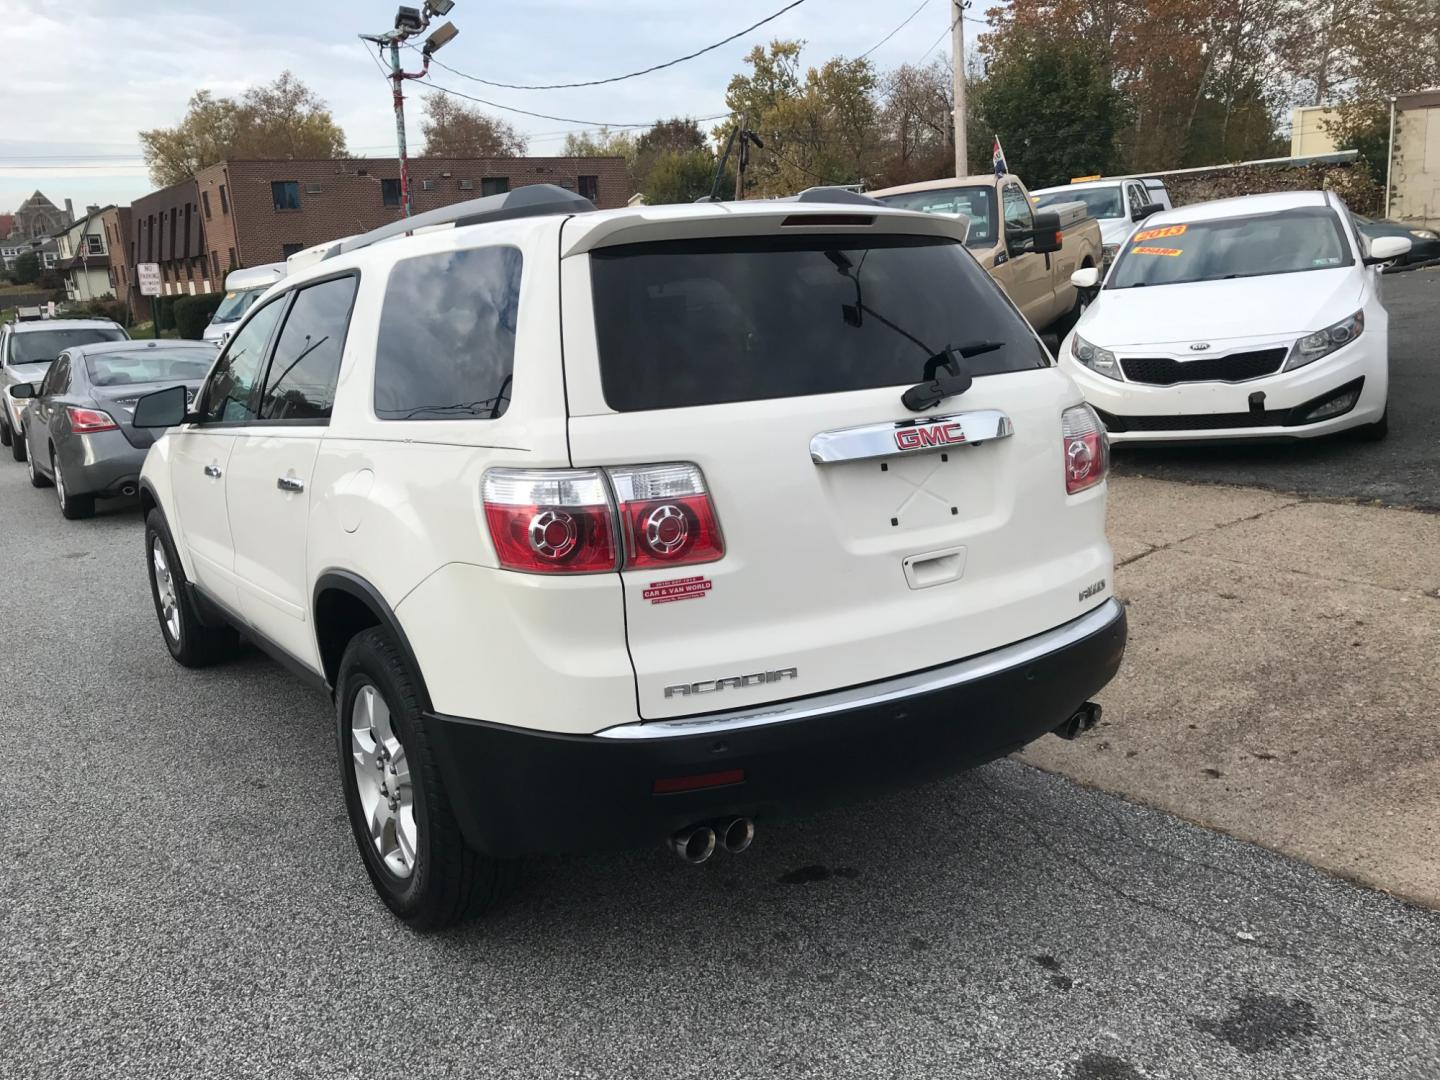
(235, 304)
(975, 203)
(701, 322)
(1101, 202)
(1287, 242)
(42, 346)
(151, 365)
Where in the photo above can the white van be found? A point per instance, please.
(242, 288)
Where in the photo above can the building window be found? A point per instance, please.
(427, 185)
(189, 270)
(205, 203)
(94, 245)
(286, 250)
(234, 262)
(215, 264)
(224, 202)
(49, 259)
(590, 188)
(286, 194)
(494, 185)
(390, 192)
(313, 189)
(467, 185)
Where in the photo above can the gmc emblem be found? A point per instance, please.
(917, 438)
(710, 686)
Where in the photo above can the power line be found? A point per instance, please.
(629, 75)
(892, 33)
(946, 33)
(559, 119)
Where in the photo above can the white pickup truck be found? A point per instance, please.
(1030, 253)
(1118, 205)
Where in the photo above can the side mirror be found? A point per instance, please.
(162, 409)
(1143, 212)
(1385, 248)
(1047, 235)
(1087, 277)
(22, 390)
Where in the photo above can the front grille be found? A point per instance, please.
(1237, 367)
(1194, 422)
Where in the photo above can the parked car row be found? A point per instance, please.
(553, 502)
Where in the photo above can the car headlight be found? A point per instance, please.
(1100, 361)
(1424, 234)
(1107, 252)
(1312, 347)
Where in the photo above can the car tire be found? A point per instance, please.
(190, 641)
(403, 823)
(1378, 430)
(36, 478)
(73, 507)
(1073, 316)
(17, 445)
(5, 436)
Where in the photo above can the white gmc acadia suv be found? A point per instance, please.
(607, 527)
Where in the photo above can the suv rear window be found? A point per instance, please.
(748, 318)
(447, 336)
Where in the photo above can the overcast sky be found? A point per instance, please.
(83, 76)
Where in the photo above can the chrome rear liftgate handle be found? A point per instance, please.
(910, 436)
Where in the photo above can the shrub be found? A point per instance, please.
(192, 313)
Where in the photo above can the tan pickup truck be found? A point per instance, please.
(1030, 253)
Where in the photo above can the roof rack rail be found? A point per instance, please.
(532, 200)
(835, 195)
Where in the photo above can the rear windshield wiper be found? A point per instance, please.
(933, 390)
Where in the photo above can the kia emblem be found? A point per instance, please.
(1200, 346)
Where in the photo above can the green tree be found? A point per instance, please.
(1052, 104)
(603, 143)
(453, 129)
(819, 127)
(666, 138)
(283, 119)
(684, 176)
(27, 268)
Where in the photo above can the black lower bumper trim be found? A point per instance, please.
(518, 791)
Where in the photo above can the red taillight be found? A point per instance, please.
(668, 519)
(1087, 450)
(550, 521)
(89, 421)
(671, 784)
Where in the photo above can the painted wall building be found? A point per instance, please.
(1413, 194)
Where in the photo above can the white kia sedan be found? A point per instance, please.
(1256, 317)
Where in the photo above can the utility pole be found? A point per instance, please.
(744, 157)
(409, 22)
(957, 62)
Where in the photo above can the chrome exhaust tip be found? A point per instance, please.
(737, 834)
(695, 844)
(1081, 721)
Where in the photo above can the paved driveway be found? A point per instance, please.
(1404, 470)
(179, 897)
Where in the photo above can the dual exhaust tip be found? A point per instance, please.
(697, 843)
(1081, 721)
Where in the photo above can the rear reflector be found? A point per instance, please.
(89, 421)
(1085, 447)
(551, 521)
(672, 784)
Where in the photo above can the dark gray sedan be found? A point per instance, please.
(77, 426)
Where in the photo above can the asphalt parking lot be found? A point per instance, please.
(1403, 470)
(179, 896)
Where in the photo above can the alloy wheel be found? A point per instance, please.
(59, 479)
(382, 780)
(165, 590)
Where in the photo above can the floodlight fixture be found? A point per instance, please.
(443, 34)
(409, 21)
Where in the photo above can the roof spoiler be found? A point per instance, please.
(532, 200)
(833, 195)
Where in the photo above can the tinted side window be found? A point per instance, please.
(232, 387)
(447, 336)
(57, 378)
(306, 362)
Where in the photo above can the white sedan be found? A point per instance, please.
(1244, 318)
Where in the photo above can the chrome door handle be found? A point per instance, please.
(290, 483)
(212, 471)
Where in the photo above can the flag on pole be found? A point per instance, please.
(997, 158)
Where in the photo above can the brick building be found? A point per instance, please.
(246, 213)
(115, 227)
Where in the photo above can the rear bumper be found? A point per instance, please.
(520, 792)
(103, 464)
